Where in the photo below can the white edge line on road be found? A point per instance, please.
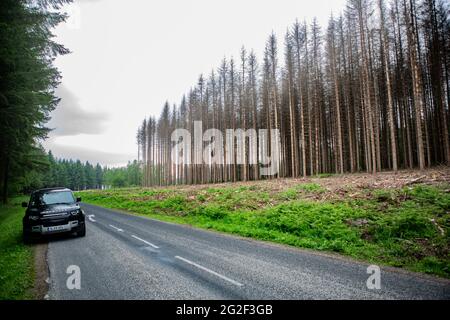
(91, 218)
(210, 271)
(146, 242)
(118, 229)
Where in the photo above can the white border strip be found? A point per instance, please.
(146, 242)
(118, 229)
(210, 271)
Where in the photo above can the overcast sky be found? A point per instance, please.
(129, 57)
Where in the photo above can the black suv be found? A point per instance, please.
(52, 211)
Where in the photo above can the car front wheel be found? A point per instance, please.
(27, 239)
(82, 232)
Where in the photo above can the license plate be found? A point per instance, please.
(56, 228)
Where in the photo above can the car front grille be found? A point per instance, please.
(55, 215)
(54, 222)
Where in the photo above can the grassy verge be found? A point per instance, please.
(403, 227)
(16, 259)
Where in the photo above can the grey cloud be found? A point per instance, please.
(69, 119)
(85, 154)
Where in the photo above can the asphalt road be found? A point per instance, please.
(130, 257)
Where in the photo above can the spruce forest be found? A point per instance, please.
(368, 93)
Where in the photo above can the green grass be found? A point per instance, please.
(407, 228)
(300, 190)
(16, 259)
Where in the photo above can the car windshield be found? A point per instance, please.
(54, 197)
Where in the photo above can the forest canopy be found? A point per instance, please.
(28, 79)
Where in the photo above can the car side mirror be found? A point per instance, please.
(24, 205)
(78, 199)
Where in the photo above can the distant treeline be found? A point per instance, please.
(78, 175)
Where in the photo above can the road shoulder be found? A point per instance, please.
(41, 272)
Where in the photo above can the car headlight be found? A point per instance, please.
(74, 213)
(34, 218)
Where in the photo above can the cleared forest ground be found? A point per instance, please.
(400, 220)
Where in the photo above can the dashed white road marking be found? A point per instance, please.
(118, 229)
(91, 218)
(146, 242)
(210, 271)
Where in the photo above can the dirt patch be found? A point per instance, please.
(41, 273)
(381, 180)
